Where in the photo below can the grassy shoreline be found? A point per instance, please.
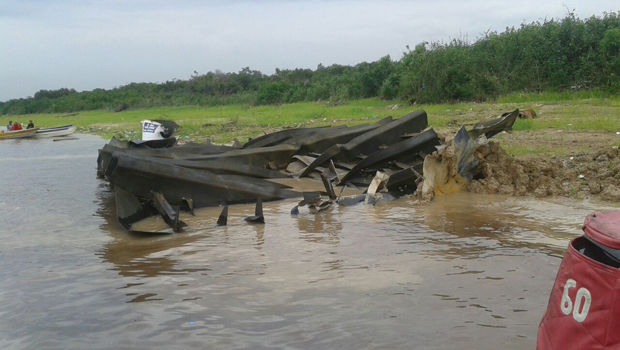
(580, 112)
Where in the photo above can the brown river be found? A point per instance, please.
(467, 271)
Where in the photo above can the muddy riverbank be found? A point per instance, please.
(581, 176)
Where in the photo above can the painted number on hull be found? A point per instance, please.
(583, 299)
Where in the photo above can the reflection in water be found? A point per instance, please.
(319, 228)
(260, 235)
(479, 222)
(469, 269)
(136, 254)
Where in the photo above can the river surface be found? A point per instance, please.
(467, 271)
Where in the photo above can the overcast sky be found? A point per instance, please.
(82, 44)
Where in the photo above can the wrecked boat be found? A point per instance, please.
(157, 176)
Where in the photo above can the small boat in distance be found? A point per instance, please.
(57, 131)
(17, 134)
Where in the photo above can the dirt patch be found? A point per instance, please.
(552, 142)
(581, 176)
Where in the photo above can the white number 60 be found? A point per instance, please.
(583, 297)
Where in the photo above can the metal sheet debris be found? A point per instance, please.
(165, 178)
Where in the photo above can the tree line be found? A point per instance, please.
(548, 55)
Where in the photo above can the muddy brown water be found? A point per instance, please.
(467, 271)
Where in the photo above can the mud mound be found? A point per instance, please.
(579, 176)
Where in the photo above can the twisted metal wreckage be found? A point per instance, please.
(385, 160)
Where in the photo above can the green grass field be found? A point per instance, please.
(575, 111)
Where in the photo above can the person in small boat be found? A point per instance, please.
(9, 126)
(30, 125)
(17, 126)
